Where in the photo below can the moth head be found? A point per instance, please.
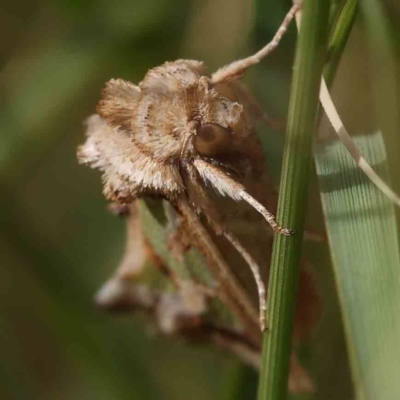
(145, 133)
(173, 113)
(212, 140)
(175, 119)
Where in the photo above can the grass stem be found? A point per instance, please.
(302, 118)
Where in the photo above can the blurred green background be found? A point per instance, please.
(58, 243)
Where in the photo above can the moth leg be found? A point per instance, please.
(230, 291)
(236, 69)
(227, 186)
(255, 269)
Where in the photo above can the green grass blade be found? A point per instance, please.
(302, 119)
(363, 235)
(338, 39)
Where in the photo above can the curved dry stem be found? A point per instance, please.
(345, 138)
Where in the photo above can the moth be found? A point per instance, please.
(178, 132)
(182, 163)
(184, 143)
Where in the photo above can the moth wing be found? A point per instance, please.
(119, 100)
(127, 170)
(173, 312)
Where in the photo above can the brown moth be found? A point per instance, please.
(186, 137)
(177, 132)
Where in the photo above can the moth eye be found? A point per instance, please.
(212, 140)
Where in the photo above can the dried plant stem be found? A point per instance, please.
(348, 142)
(302, 120)
(337, 42)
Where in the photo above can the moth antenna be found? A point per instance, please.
(227, 186)
(236, 69)
(255, 269)
(345, 138)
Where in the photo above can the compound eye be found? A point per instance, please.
(212, 140)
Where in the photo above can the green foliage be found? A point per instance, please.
(363, 238)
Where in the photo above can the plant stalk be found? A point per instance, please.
(301, 128)
(338, 39)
